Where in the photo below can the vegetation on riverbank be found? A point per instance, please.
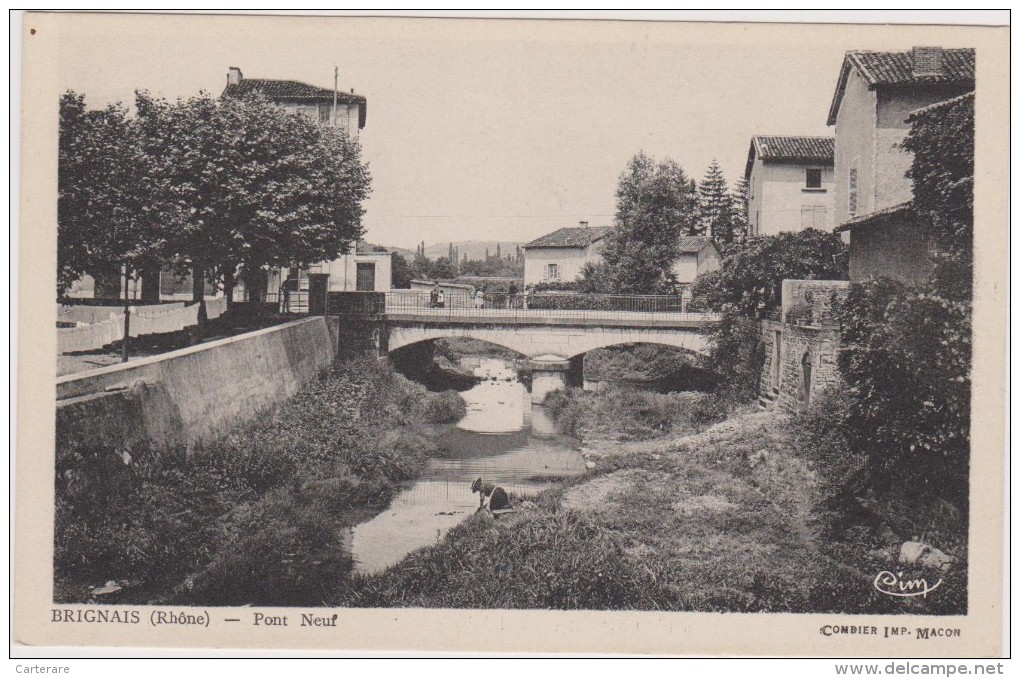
(259, 517)
(624, 412)
(682, 512)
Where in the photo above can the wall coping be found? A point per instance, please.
(152, 360)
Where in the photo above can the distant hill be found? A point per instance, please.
(364, 246)
(475, 249)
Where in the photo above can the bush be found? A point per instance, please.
(737, 355)
(906, 364)
(751, 277)
(633, 413)
(444, 408)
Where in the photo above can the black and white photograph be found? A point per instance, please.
(435, 315)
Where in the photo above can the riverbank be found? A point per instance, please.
(723, 516)
(264, 515)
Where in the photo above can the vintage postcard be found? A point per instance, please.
(479, 335)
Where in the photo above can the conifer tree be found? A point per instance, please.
(716, 205)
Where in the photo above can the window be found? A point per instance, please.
(813, 216)
(852, 190)
(552, 272)
(324, 113)
(813, 179)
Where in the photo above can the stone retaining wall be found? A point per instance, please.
(192, 396)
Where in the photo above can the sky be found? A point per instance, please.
(498, 130)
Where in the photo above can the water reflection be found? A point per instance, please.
(502, 439)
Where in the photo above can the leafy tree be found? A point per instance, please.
(750, 279)
(716, 205)
(262, 187)
(113, 207)
(402, 272)
(655, 204)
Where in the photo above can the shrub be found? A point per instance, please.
(751, 277)
(280, 550)
(444, 408)
(906, 363)
(737, 355)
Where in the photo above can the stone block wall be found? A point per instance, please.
(809, 302)
(802, 349)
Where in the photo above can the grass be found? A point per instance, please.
(691, 515)
(259, 517)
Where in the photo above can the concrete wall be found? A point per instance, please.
(343, 271)
(569, 259)
(870, 125)
(200, 393)
(891, 186)
(781, 196)
(856, 125)
(346, 114)
(897, 247)
(690, 266)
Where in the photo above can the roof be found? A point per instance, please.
(875, 217)
(940, 104)
(577, 236)
(820, 150)
(692, 244)
(294, 91)
(896, 69)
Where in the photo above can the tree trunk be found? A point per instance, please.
(150, 283)
(228, 289)
(198, 295)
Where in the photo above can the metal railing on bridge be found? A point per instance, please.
(545, 304)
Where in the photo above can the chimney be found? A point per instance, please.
(927, 62)
(584, 224)
(234, 76)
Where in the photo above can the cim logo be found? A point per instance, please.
(893, 584)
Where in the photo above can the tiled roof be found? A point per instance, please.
(820, 150)
(897, 68)
(692, 244)
(875, 217)
(577, 236)
(939, 104)
(294, 91)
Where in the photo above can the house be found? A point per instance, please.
(790, 184)
(876, 92)
(560, 255)
(330, 107)
(698, 254)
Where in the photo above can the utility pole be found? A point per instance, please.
(336, 83)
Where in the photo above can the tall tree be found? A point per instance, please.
(716, 205)
(402, 272)
(113, 207)
(655, 205)
(739, 197)
(263, 188)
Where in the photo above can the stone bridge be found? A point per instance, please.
(550, 338)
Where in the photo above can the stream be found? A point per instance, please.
(503, 439)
